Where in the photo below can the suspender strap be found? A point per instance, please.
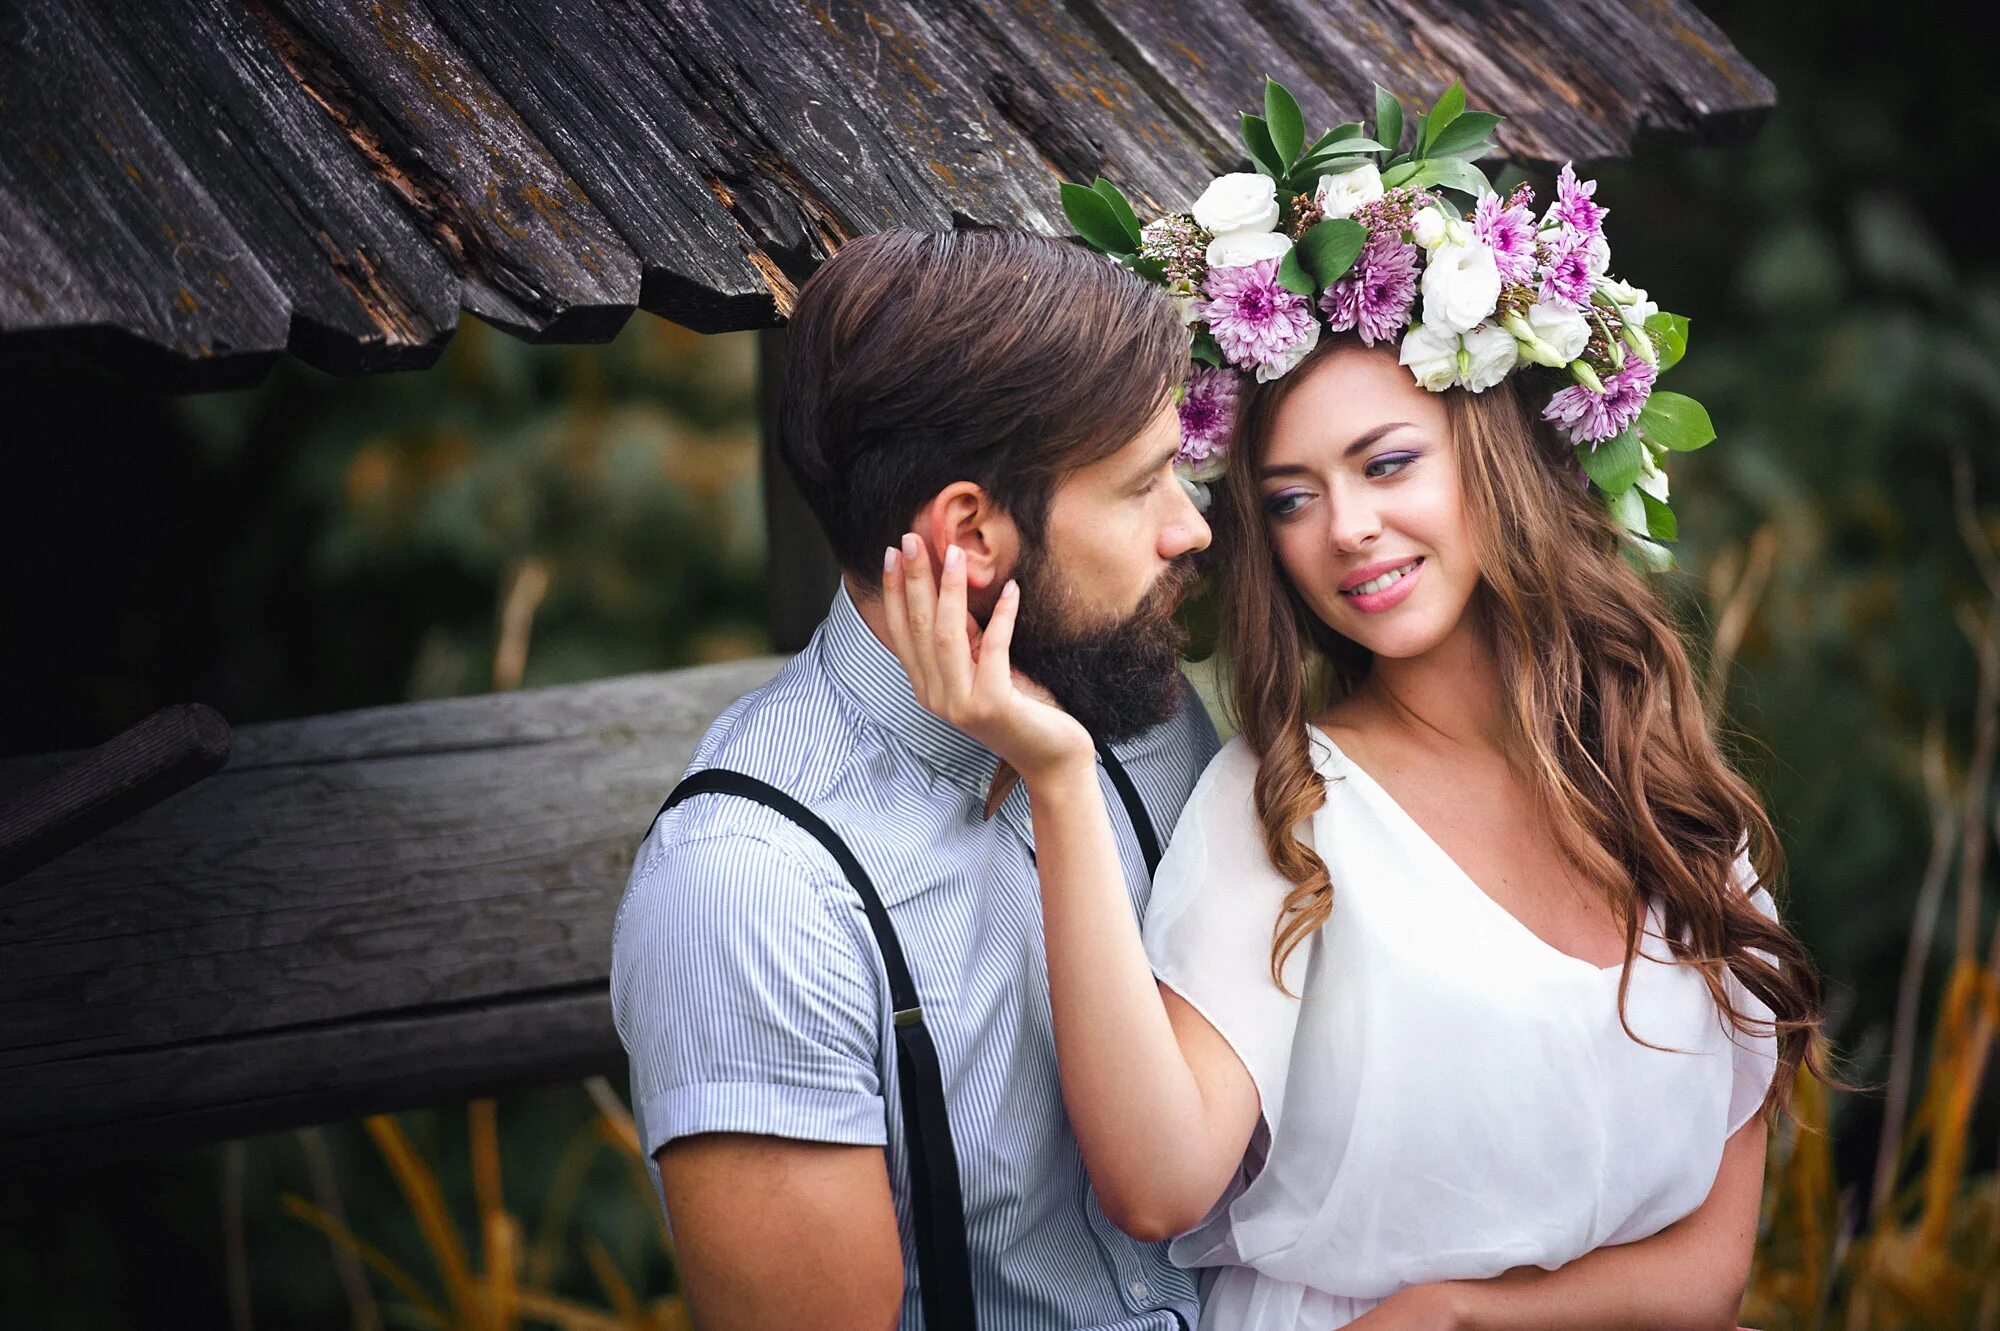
(1142, 826)
(937, 1208)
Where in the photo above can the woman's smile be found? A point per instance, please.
(1381, 586)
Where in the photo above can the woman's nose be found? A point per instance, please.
(1353, 526)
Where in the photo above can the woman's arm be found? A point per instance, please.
(1688, 1277)
(1161, 1105)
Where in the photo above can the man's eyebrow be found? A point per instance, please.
(1363, 442)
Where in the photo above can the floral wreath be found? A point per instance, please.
(1348, 233)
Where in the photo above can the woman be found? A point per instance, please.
(1419, 1052)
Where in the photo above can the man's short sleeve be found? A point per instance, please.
(743, 996)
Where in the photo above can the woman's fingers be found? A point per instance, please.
(954, 648)
(920, 600)
(994, 676)
(896, 609)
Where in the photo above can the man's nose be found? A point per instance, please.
(1186, 530)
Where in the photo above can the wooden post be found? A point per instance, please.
(800, 571)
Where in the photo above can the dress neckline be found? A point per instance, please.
(1457, 871)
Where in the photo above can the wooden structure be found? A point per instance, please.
(406, 904)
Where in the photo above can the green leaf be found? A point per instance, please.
(1151, 269)
(1257, 142)
(1292, 276)
(1614, 464)
(1308, 170)
(1093, 219)
(1120, 209)
(1350, 130)
(1463, 134)
(1330, 246)
(1388, 116)
(1206, 349)
(1356, 143)
(1670, 338)
(1676, 421)
(1286, 126)
(1447, 109)
(1449, 172)
(1648, 556)
(1396, 175)
(1628, 510)
(1660, 523)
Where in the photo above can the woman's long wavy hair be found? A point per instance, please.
(1608, 725)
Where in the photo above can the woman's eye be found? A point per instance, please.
(1284, 504)
(1387, 465)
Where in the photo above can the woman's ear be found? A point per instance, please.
(963, 514)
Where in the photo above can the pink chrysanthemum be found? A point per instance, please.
(1573, 207)
(1591, 418)
(1566, 271)
(1208, 414)
(1377, 294)
(1255, 321)
(1510, 230)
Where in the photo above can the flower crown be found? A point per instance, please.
(1347, 233)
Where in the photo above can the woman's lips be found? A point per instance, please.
(1402, 580)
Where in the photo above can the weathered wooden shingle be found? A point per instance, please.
(189, 188)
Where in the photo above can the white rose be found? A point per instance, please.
(1599, 251)
(1431, 354)
(1564, 330)
(1239, 201)
(1461, 285)
(1428, 227)
(1339, 196)
(1240, 249)
(1490, 354)
(1288, 362)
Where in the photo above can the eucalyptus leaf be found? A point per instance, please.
(1120, 209)
(1093, 219)
(1670, 338)
(1388, 116)
(1293, 277)
(1282, 120)
(1613, 465)
(1660, 522)
(1465, 132)
(1330, 247)
(1448, 107)
(1676, 421)
(1257, 142)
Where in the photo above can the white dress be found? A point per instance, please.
(1452, 1096)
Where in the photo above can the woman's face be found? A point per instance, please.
(1360, 492)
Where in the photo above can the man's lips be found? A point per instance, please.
(1369, 572)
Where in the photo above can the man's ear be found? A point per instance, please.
(963, 514)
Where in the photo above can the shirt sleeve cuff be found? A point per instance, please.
(804, 1114)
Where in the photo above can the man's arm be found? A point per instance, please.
(777, 1233)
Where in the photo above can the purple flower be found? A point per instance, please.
(1256, 322)
(1208, 414)
(1510, 230)
(1573, 207)
(1378, 292)
(1566, 272)
(1591, 418)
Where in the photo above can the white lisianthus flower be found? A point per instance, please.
(1188, 307)
(1651, 479)
(1427, 226)
(1431, 354)
(1490, 354)
(1564, 331)
(1631, 300)
(1339, 196)
(1239, 201)
(1282, 365)
(1240, 249)
(1461, 285)
(1599, 251)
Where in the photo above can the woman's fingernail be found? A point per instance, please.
(889, 557)
(1012, 588)
(954, 558)
(910, 549)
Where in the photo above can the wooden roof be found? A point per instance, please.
(189, 188)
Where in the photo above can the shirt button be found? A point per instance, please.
(1138, 1288)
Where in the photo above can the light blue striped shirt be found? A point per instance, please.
(751, 998)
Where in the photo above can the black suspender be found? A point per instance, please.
(937, 1207)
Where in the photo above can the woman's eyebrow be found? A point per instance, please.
(1295, 469)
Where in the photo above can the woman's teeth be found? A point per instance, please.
(1388, 579)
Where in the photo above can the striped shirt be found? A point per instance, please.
(751, 998)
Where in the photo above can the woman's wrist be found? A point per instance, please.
(1062, 777)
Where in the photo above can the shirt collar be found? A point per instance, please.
(871, 676)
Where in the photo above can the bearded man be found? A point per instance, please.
(828, 967)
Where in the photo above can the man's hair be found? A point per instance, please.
(917, 359)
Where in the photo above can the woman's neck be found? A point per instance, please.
(1447, 699)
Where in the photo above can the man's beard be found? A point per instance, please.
(1118, 676)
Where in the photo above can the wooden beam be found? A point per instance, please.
(362, 911)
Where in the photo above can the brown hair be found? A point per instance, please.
(916, 359)
(1608, 723)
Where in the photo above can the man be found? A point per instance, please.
(1012, 395)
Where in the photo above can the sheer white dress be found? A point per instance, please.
(1450, 1096)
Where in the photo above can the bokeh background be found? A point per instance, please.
(315, 544)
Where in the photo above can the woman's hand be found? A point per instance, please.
(975, 690)
(1436, 1307)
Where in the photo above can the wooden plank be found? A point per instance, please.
(444, 873)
